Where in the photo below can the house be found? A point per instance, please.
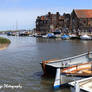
(49, 23)
(81, 19)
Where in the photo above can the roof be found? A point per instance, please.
(83, 13)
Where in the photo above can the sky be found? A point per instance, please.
(23, 13)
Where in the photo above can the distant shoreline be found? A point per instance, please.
(4, 43)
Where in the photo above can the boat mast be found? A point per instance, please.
(16, 25)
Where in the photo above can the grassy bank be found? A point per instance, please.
(4, 40)
(4, 43)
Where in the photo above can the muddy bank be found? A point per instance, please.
(3, 46)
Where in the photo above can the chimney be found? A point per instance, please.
(49, 14)
(57, 13)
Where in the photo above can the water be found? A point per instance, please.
(20, 62)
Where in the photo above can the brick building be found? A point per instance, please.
(49, 23)
(81, 19)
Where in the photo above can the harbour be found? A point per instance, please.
(45, 46)
(20, 62)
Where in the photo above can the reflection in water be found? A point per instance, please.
(20, 62)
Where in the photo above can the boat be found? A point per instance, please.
(85, 37)
(58, 35)
(65, 37)
(83, 85)
(49, 66)
(38, 36)
(45, 36)
(9, 34)
(51, 35)
(24, 34)
(74, 36)
(69, 74)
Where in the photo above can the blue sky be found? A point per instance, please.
(26, 11)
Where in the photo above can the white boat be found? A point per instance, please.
(83, 85)
(85, 37)
(49, 66)
(45, 36)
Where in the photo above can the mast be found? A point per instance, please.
(16, 25)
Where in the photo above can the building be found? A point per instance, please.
(81, 19)
(49, 23)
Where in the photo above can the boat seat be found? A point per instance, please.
(87, 71)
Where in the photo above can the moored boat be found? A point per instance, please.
(23, 34)
(69, 74)
(65, 37)
(74, 36)
(51, 35)
(49, 66)
(85, 37)
(45, 36)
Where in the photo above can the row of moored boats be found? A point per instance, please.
(50, 35)
(65, 36)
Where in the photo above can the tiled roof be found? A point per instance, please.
(83, 13)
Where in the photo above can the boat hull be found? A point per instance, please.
(49, 70)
